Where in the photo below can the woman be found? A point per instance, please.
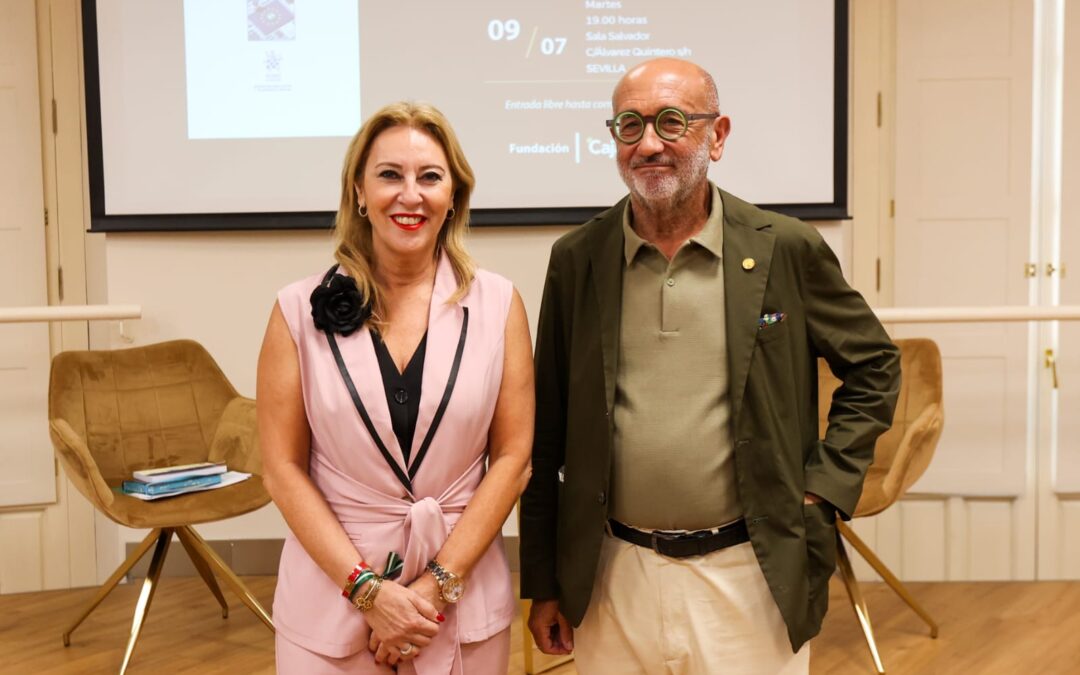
(385, 384)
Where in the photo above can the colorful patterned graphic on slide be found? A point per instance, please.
(271, 20)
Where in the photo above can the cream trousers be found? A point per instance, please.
(703, 615)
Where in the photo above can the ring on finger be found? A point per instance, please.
(407, 649)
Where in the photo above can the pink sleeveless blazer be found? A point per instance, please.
(376, 510)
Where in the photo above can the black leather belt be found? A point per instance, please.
(683, 544)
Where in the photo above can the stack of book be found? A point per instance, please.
(169, 481)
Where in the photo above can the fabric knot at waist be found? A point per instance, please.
(426, 522)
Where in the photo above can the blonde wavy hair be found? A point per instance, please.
(352, 232)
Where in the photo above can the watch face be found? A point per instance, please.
(453, 589)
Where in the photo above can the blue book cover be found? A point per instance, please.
(170, 486)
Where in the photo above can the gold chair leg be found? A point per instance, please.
(862, 613)
(227, 575)
(545, 662)
(142, 607)
(111, 582)
(205, 572)
(887, 575)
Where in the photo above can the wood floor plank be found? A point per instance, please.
(986, 628)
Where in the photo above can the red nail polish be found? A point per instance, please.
(440, 617)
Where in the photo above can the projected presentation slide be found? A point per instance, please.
(253, 102)
(252, 74)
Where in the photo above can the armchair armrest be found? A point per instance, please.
(79, 464)
(915, 451)
(236, 439)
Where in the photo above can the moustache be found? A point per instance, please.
(651, 161)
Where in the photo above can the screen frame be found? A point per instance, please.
(100, 221)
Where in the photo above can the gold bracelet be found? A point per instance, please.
(368, 601)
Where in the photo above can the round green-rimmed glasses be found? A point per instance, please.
(670, 124)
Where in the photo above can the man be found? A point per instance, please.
(681, 509)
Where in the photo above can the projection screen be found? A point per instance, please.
(235, 114)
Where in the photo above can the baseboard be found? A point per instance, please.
(249, 557)
(246, 557)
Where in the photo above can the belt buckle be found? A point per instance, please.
(657, 536)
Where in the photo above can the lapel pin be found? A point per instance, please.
(748, 264)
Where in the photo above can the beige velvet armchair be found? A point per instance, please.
(113, 412)
(901, 455)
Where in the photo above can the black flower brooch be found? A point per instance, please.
(338, 307)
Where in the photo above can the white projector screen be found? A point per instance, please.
(235, 114)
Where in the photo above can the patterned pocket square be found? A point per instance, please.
(770, 319)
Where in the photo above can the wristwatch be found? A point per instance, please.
(451, 586)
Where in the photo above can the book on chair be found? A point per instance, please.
(172, 486)
(165, 474)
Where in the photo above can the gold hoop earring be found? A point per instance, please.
(362, 211)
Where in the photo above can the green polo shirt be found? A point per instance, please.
(673, 465)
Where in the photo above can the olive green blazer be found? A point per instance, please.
(773, 394)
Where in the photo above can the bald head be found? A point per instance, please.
(665, 170)
(675, 74)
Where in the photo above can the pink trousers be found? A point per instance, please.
(489, 657)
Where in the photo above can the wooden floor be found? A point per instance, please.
(985, 628)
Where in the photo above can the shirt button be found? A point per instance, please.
(601, 497)
(401, 396)
(670, 281)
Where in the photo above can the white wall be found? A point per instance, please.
(218, 289)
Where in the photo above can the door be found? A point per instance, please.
(1059, 273)
(25, 451)
(962, 236)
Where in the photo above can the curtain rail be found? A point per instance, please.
(69, 313)
(977, 314)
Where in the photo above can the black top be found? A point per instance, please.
(402, 390)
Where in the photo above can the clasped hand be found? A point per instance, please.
(403, 616)
(551, 631)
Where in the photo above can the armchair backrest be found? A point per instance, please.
(149, 406)
(901, 454)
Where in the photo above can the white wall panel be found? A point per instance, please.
(67, 534)
(1066, 453)
(990, 540)
(25, 451)
(890, 539)
(923, 531)
(946, 539)
(973, 439)
(56, 565)
(1069, 560)
(20, 564)
(1059, 420)
(956, 546)
(968, 28)
(964, 168)
(963, 181)
(986, 240)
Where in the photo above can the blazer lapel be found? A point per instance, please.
(745, 238)
(606, 260)
(358, 350)
(444, 330)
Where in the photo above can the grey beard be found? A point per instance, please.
(671, 190)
